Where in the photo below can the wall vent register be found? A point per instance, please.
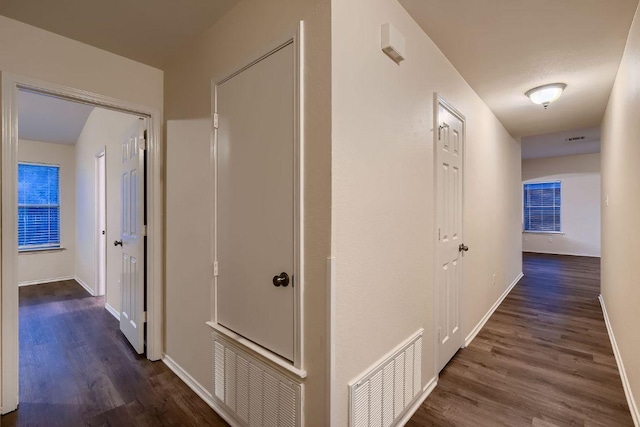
(254, 393)
(382, 395)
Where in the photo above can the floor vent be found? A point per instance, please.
(382, 395)
(256, 394)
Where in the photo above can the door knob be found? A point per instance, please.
(117, 242)
(463, 247)
(281, 280)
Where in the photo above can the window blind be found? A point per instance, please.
(542, 205)
(38, 206)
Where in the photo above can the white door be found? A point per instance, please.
(255, 202)
(101, 223)
(132, 236)
(450, 245)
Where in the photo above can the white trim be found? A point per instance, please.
(297, 40)
(202, 392)
(9, 262)
(101, 285)
(9, 294)
(633, 408)
(561, 253)
(255, 348)
(85, 286)
(112, 311)
(45, 281)
(40, 251)
(495, 306)
(426, 391)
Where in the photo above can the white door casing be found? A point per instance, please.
(101, 223)
(449, 135)
(132, 231)
(10, 85)
(255, 208)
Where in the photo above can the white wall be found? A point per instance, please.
(51, 265)
(255, 27)
(620, 281)
(36, 53)
(104, 128)
(383, 230)
(580, 212)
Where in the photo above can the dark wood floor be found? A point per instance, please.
(543, 359)
(77, 369)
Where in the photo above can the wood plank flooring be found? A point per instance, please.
(77, 369)
(543, 359)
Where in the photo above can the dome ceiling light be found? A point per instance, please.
(545, 95)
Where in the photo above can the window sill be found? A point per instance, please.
(40, 251)
(542, 232)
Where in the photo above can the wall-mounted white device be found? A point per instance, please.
(393, 43)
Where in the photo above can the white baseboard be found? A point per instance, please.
(426, 391)
(623, 373)
(199, 390)
(43, 281)
(560, 253)
(85, 286)
(112, 310)
(486, 317)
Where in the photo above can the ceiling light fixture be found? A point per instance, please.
(545, 95)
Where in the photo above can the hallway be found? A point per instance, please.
(76, 368)
(543, 359)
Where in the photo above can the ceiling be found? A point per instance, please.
(48, 119)
(147, 31)
(567, 143)
(504, 48)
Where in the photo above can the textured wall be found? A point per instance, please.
(383, 227)
(620, 284)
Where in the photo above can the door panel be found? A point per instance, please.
(255, 202)
(132, 239)
(449, 216)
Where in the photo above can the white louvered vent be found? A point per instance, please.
(382, 395)
(256, 394)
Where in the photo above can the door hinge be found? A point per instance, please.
(215, 269)
(143, 231)
(443, 126)
(439, 233)
(144, 317)
(215, 120)
(143, 141)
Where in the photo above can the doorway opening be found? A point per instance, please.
(86, 217)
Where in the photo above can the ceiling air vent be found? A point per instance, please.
(575, 139)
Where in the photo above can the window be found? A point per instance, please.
(542, 202)
(38, 206)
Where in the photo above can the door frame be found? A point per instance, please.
(440, 101)
(297, 39)
(11, 83)
(102, 154)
